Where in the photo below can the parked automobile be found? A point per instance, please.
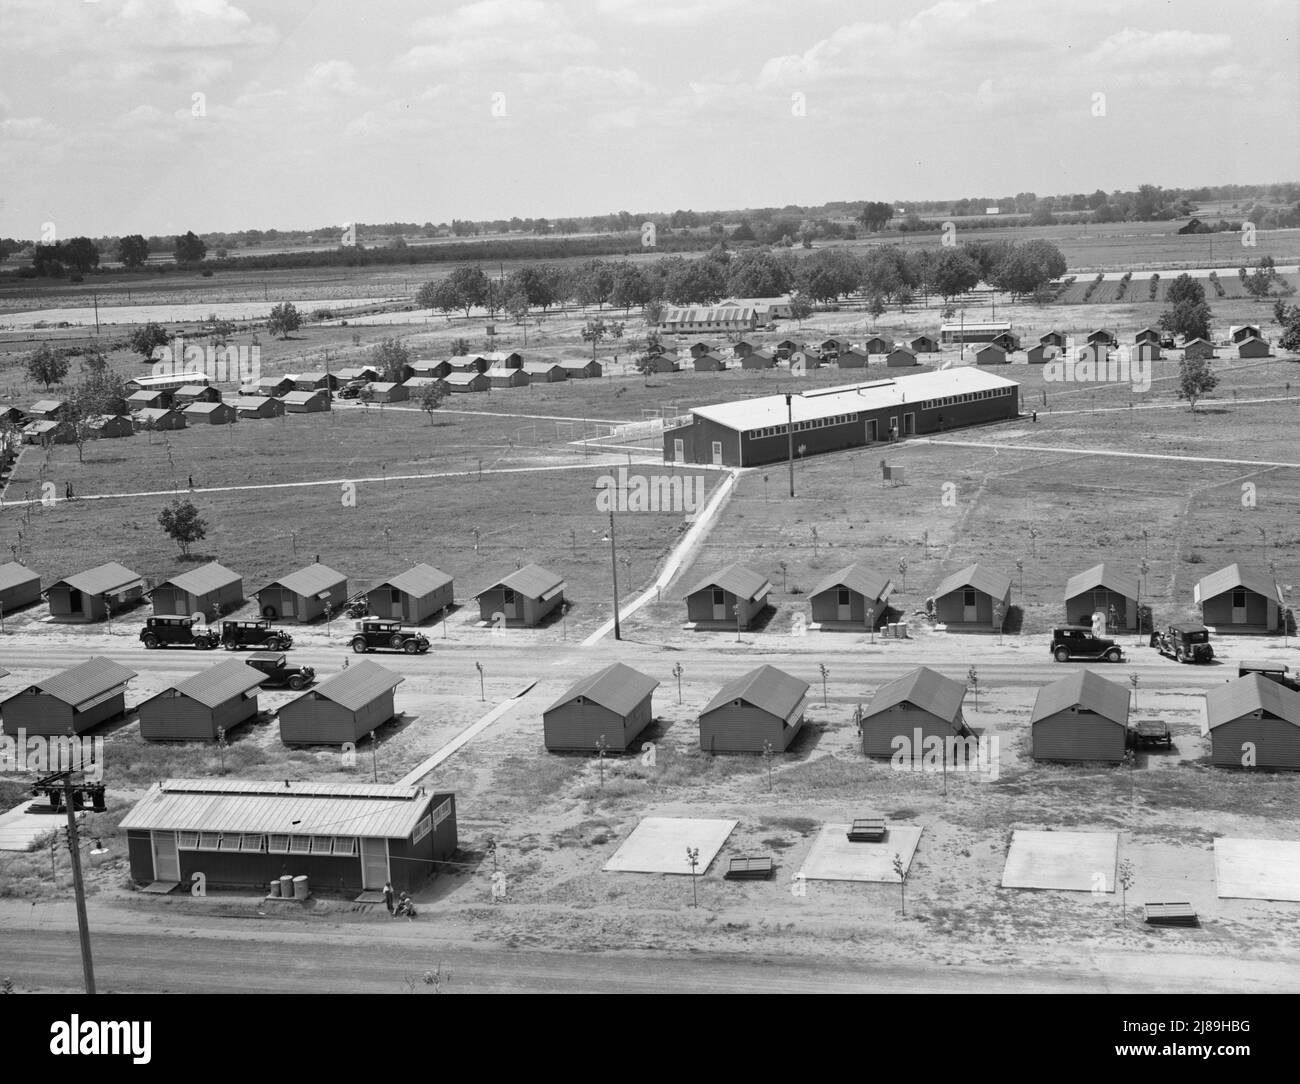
(1152, 734)
(352, 389)
(375, 633)
(1274, 671)
(260, 635)
(1185, 643)
(1078, 642)
(279, 674)
(177, 632)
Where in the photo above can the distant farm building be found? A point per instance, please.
(438, 369)
(762, 707)
(106, 426)
(314, 381)
(48, 410)
(166, 381)
(468, 363)
(613, 705)
(1007, 341)
(148, 400)
(852, 358)
(752, 432)
(196, 393)
(990, 354)
(195, 709)
(759, 359)
(920, 705)
(968, 598)
(1041, 354)
(412, 596)
(844, 597)
(210, 589)
(1239, 333)
(460, 383)
(924, 344)
(1147, 335)
(683, 321)
(203, 413)
(1052, 338)
(345, 707)
(1103, 336)
(1147, 350)
(1082, 716)
(306, 402)
(504, 359)
(247, 833)
(1198, 349)
(1254, 348)
(303, 595)
(663, 363)
(88, 595)
(277, 386)
(708, 363)
(525, 597)
(878, 345)
(581, 368)
(508, 378)
(160, 418)
(257, 406)
(972, 333)
(415, 385)
(900, 356)
(700, 348)
(385, 391)
(545, 372)
(835, 345)
(71, 702)
(1253, 722)
(732, 597)
(1239, 599)
(741, 347)
(19, 587)
(364, 372)
(1102, 589)
(766, 308)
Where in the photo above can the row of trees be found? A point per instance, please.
(80, 254)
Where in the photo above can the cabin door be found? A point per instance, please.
(717, 453)
(679, 450)
(166, 862)
(843, 611)
(395, 611)
(968, 607)
(871, 431)
(1238, 607)
(719, 604)
(374, 863)
(511, 607)
(909, 424)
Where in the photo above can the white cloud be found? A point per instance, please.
(671, 13)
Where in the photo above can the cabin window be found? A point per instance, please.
(422, 829)
(322, 844)
(251, 843)
(277, 844)
(188, 841)
(968, 597)
(842, 596)
(508, 595)
(1238, 600)
(209, 841)
(345, 845)
(300, 844)
(719, 597)
(442, 813)
(229, 841)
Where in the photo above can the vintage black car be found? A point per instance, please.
(259, 635)
(376, 634)
(279, 674)
(1274, 671)
(177, 632)
(1152, 734)
(1078, 642)
(1185, 643)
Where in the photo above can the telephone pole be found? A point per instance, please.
(74, 851)
(789, 432)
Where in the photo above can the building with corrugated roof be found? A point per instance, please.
(525, 597)
(844, 597)
(257, 406)
(1253, 723)
(906, 712)
(19, 587)
(211, 589)
(764, 706)
(303, 595)
(1238, 598)
(1082, 716)
(242, 833)
(972, 331)
(613, 703)
(88, 595)
(345, 707)
(969, 599)
(732, 595)
(71, 702)
(197, 707)
(413, 596)
(684, 320)
(1104, 589)
(306, 402)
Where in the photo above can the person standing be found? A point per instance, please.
(388, 896)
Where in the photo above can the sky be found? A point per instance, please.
(158, 116)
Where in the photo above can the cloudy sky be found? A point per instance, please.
(156, 116)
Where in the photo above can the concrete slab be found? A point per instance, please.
(658, 845)
(1073, 861)
(834, 858)
(20, 830)
(1257, 869)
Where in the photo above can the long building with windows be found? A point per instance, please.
(752, 432)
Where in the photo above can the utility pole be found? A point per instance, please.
(613, 570)
(789, 433)
(74, 850)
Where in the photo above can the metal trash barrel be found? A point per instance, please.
(893, 630)
(300, 887)
(275, 887)
(286, 886)
(902, 630)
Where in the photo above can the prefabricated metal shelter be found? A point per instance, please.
(210, 589)
(1238, 598)
(734, 595)
(204, 413)
(1102, 588)
(160, 418)
(412, 596)
(843, 597)
(901, 356)
(306, 402)
(613, 704)
(852, 358)
(581, 368)
(71, 702)
(458, 383)
(385, 391)
(257, 406)
(19, 587)
(919, 705)
(1052, 338)
(966, 600)
(1254, 348)
(763, 706)
(1082, 716)
(88, 595)
(303, 595)
(991, 354)
(877, 344)
(246, 833)
(924, 344)
(345, 707)
(1198, 348)
(277, 386)
(196, 708)
(1253, 722)
(508, 378)
(525, 597)
(708, 363)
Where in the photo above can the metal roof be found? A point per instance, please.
(617, 687)
(249, 402)
(532, 581)
(13, 574)
(154, 413)
(102, 579)
(355, 687)
(1102, 575)
(271, 381)
(356, 374)
(311, 580)
(1233, 576)
(1084, 689)
(768, 688)
(372, 810)
(169, 380)
(978, 576)
(304, 396)
(418, 580)
(453, 378)
(188, 389)
(201, 580)
(1254, 692)
(44, 406)
(206, 408)
(92, 678)
(738, 580)
(968, 326)
(316, 376)
(383, 385)
(866, 581)
(217, 684)
(531, 367)
(915, 388)
(709, 315)
(924, 688)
